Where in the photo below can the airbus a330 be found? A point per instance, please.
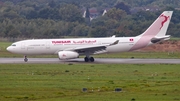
(74, 47)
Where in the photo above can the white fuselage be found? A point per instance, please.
(53, 46)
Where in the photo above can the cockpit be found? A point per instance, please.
(13, 48)
(13, 45)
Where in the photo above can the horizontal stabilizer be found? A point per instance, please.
(158, 39)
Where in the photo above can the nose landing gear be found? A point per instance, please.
(25, 59)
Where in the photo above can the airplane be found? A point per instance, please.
(75, 47)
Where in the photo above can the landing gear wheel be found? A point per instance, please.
(25, 59)
(86, 59)
(91, 59)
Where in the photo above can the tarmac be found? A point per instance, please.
(81, 60)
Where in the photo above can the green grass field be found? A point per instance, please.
(64, 82)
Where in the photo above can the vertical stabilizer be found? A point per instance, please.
(160, 25)
(156, 32)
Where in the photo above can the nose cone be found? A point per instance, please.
(9, 49)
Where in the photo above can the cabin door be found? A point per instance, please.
(23, 45)
(47, 45)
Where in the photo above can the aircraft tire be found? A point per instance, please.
(91, 59)
(25, 60)
(86, 59)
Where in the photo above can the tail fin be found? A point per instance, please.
(160, 25)
(156, 32)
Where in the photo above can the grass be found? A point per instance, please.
(175, 38)
(64, 82)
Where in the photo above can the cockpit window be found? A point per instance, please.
(13, 45)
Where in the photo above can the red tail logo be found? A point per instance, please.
(165, 20)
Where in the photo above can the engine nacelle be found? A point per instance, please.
(63, 55)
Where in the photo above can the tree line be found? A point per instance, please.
(63, 18)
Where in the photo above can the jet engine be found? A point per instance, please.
(63, 55)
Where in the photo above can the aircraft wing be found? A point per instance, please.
(95, 49)
(158, 39)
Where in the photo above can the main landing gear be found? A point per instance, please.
(87, 59)
(25, 59)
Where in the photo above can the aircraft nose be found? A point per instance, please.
(9, 49)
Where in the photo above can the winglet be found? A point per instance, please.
(114, 43)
